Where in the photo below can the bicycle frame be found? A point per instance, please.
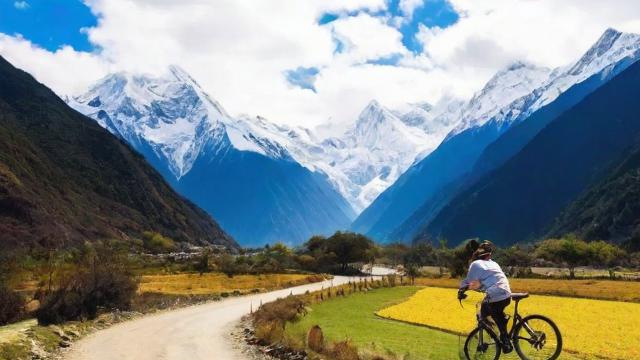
(517, 321)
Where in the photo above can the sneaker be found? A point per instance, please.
(506, 344)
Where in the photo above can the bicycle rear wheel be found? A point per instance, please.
(537, 338)
(482, 344)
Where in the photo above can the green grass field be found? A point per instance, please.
(353, 318)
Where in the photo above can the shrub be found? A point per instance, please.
(157, 243)
(270, 331)
(344, 350)
(282, 310)
(11, 306)
(315, 339)
(270, 319)
(101, 281)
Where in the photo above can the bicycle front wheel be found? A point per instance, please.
(538, 338)
(482, 344)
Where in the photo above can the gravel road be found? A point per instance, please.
(192, 333)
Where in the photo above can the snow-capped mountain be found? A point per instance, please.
(435, 119)
(512, 96)
(244, 171)
(172, 114)
(174, 119)
(605, 54)
(377, 149)
(507, 85)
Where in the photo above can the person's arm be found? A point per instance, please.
(473, 277)
(470, 282)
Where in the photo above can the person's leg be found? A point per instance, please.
(496, 310)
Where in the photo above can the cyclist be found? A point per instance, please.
(485, 275)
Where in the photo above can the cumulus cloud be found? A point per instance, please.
(21, 5)
(255, 56)
(409, 6)
(366, 38)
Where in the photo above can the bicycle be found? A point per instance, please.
(533, 337)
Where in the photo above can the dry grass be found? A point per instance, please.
(592, 289)
(216, 283)
(589, 327)
(345, 350)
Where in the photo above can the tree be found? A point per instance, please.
(395, 252)
(226, 264)
(459, 258)
(603, 254)
(516, 260)
(568, 250)
(442, 255)
(101, 279)
(372, 254)
(412, 271)
(11, 303)
(156, 243)
(349, 247)
(420, 255)
(202, 264)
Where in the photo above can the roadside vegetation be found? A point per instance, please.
(352, 319)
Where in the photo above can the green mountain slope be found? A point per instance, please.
(609, 210)
(64, 179)
(520, 200)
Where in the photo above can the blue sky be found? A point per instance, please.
(54, 23)
(432, 13)
(48, 23)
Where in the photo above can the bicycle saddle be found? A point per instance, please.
(519, 296)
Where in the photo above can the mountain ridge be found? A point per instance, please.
(520, 199)
(457, 155)
(65, 180)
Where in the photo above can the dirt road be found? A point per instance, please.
(192, 333)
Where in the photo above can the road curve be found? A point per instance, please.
(195, 332)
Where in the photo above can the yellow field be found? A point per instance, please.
(215, 283)
(589, 327)
(591, 289)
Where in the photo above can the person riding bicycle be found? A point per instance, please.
(485, 275)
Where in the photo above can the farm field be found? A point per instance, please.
(217, 283)
(589, 327)
(556, 272)
(353, 317)
(592, 289)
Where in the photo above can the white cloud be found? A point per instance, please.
(66, 71)
(367, 38)
(21, 5)
(409, 6)
(240, 50)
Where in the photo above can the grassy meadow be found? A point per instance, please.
(353, 317)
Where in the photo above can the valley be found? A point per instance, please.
(319, 180)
